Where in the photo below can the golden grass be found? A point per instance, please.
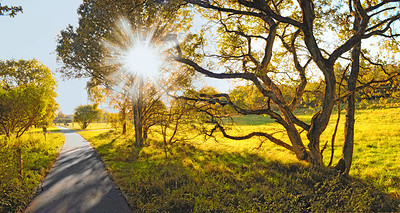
(224, 166)
(38, 155)
(376, 150)
(219, 174)
(92, 126)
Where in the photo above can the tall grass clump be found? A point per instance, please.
(24, 163)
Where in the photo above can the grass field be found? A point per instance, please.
(91, 126)
(240, 176)
(38, 154)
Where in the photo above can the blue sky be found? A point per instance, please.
(33, 34)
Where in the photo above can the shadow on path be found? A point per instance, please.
(78, 182)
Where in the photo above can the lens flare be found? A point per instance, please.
(144, 58)
(136, 57)
(133, 51)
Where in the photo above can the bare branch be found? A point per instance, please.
(388, 21)
(263, 6)
(205, 4)
(254, 134)
(369, 9)
(208, 73)
(385, 9)
(350, 43)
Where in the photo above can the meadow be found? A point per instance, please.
(38, 153)
(221, 175)
(92, 126)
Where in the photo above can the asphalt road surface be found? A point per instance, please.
(78, 182)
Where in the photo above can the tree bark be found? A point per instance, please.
(347, 152)
(137, 120)
(321, 119)
(21, 161)
(124, 128)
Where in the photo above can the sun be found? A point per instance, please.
(144, 58)
(135, 51)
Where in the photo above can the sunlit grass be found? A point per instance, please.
(376, 149)
(40, 130)
(38, 156)
(92, 126)
(225, 175)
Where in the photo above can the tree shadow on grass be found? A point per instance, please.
(195, 180)
(121, 152)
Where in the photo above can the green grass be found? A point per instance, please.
(254, 120)
(38, 155)
(241, 176)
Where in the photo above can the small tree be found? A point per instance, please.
(176, 122)
(27, 96)
(86, 114)
(146, 102)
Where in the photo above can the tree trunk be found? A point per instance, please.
(145, 134)
(321, 119)
(138, 105)
(313, 146)
(123, 117)
(347, 152)
(298, 146)
(124, 128)
(164, 134)
(21, 161)
(137, 120)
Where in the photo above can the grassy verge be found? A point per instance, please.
(231, 176)
(38, 154)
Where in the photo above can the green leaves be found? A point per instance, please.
(86, 114)
(81, 50)
(27, 96)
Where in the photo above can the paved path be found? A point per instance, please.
(78, 182)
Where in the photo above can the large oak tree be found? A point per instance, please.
(268, 42)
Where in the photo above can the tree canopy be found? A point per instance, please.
(27, 96)
(81, 49)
